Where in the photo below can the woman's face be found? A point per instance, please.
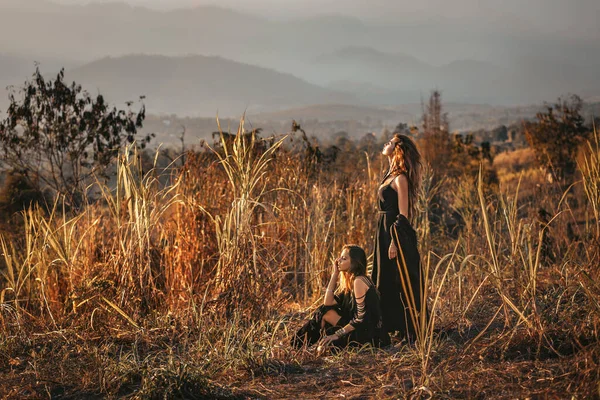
(343, 261)
(388, 148)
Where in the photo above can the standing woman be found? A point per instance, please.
(396, 261)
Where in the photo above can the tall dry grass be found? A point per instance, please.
(191, 280)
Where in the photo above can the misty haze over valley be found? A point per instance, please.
(332, 61)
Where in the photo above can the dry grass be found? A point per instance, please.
(192, 289)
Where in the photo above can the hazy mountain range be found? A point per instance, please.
(199, 85)
(198, 61)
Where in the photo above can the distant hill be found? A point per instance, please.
(385, 78)
(198, 85)
(511, 67)
(372, 57)
(382, 78)
(95, 30)
(362, 64)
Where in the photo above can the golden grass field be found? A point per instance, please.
(189, 282)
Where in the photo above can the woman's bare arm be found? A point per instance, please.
(360, 291)
(400, 184)
(329, 292)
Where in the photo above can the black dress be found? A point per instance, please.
(364, 314)
(395, 298)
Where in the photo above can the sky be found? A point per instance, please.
(574, 19)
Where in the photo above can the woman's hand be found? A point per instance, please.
(335, 271)
(327, 340)
(329, 299)
(392, 251)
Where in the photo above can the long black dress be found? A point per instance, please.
(395, 298)
(363, 314)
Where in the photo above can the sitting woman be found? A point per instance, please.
(353, 316)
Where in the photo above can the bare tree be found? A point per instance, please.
(435, 143)
(58, 135)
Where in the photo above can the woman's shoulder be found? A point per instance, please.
(402, 176)
(361, 284)
(400, 181)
